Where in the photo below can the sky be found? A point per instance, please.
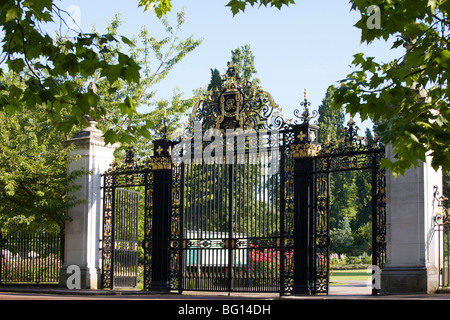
(308, 45)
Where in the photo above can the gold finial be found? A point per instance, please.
(351, 122)
(305, 95)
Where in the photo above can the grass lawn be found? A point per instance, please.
(340, 276)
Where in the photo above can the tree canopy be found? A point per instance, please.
(52, 68)
(408, 97)
(34, 185)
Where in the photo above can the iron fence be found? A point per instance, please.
(30, 258)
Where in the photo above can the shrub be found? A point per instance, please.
(353, 260)
(366, 260)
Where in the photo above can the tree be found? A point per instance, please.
(341, 236)
(51, 67)
(34, 183)
(144, 119)
(216, 81)
(244, 62)
(331, 120)
(409, 96)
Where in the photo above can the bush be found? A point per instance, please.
(341, 262)
(366, 260)
(353, 260)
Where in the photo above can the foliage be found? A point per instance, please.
(409, 96)
(51, 67)
(145, 120)
(216, 81)
(341, 236)
(33, 179)
(331, 120)
(350, 192)
(446, 188)
(161, 7)
(33, 182)
(244, 62)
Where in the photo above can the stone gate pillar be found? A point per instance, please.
(412, 243)
(83, 231)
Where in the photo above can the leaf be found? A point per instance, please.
(358, 58)
(144, 132)
(127, 41)
(147, 4)
(12, 13)
(127, 107)
(445, 54)
(236, 6)
(110, 137)
(112, 73)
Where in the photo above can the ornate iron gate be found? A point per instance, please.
(125, 254)
(441, 224)
(313, 164)
(231, 226)
(218, 218)
(233, 232)
(351, 153)
(120, 240)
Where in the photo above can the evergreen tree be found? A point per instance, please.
(216, 81)
(244, 61)
(331, 120)
(350, 192)
(341, 236)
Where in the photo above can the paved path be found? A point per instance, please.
(354, 290)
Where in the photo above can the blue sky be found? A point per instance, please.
(307, 45)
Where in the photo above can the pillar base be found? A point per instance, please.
(159, 287)
(73, 277)
(408, 280)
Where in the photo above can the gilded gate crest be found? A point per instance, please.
(238, 104)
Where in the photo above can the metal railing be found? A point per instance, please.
(30, 258)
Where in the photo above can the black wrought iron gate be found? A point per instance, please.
(352, 156)
(121, 240)
(231, 226)
(242, 203)
(125, 250)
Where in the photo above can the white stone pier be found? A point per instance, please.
(412, 245)
(82, 233)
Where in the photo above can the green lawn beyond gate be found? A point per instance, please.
(341, 276)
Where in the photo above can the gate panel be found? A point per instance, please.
(321, 236)
(231, 225)
(338, 162)
(379, 216)
(257, 225)
(205, 223)
(125, 253)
